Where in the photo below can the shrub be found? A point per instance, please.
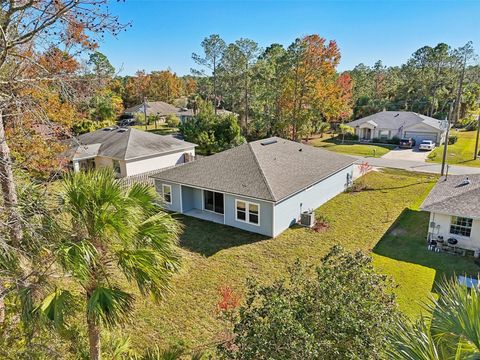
(86, 126)
(340, 310)
(349, 136)
(394, 140)
(376, 141)
(452, 139)
(172, 121)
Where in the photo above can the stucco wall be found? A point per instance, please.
(288, 211)
(266, 215)
(101, 162)
(139, 166)
(470, 243)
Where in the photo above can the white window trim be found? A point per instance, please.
(247, 212)
(163, 193)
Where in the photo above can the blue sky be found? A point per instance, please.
(165, 33)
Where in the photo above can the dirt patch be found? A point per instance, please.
(320, 226)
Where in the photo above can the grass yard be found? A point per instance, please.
(460, 153)
(159, 129)
(383, 220)
(332, 144)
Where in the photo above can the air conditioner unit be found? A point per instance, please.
(307, 218)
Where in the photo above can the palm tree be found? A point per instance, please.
(109, 231)
(451, 332)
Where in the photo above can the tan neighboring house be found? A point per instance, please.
(129, 151)
(454, 206)
(402, 124)
(162, 109)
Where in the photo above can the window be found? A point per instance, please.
(213, 201)
(167, 193)
(461, 226)
(247, 212)
(384, 134)
(116, 167)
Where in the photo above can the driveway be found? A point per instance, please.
(406, 154)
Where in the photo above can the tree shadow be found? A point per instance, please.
(406, 240)
(338, 141)
(207, 238)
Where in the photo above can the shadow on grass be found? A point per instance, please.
(207, 238)
(406, 240)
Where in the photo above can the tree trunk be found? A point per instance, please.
(2, 305)
(9, 192)
(94, 339)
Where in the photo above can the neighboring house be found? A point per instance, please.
(159, 109)
(129, 151)
(402, 124)
(262, 186)
(454, 206)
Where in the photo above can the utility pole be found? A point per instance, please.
(475, 156)
(445, 144)
(145, 112)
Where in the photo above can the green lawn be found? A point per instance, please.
(332, 144)
(460, 153)
(384, 219)
(159, 129)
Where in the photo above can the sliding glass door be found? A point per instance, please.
(213, 201)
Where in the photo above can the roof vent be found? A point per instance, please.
(397, 115)
(269, 142)
(465, 182)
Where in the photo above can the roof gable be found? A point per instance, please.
(269, 169)
(455, 196)
(129, 143)
(396, 120)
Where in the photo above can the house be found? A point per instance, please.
(159, 109)
(454, 206)
(128, 151)
(262, 186)
(402, 124)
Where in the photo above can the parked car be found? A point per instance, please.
(426, 145)
(407, 143)
(126, 122)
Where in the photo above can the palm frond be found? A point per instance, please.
(55, 306)
(412, 342)
(171, 353)
(456, 317)
(145, 267)
(77, 258)
(110, 306)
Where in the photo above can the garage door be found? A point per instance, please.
(420, 136)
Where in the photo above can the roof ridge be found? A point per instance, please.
(128, 142)
(453, 196)
(269, 188)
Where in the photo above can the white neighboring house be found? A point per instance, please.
(454, 206)
(403, 124)
(129, 151)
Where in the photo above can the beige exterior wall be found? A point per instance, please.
(139, 166)
(101, 161)
(470, 243)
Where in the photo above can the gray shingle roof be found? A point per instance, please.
(397, 119)
(269, 172)
(154, 108)
(126, 143)
(453, 197)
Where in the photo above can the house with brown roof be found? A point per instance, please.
(454, 206)
(263, 186)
